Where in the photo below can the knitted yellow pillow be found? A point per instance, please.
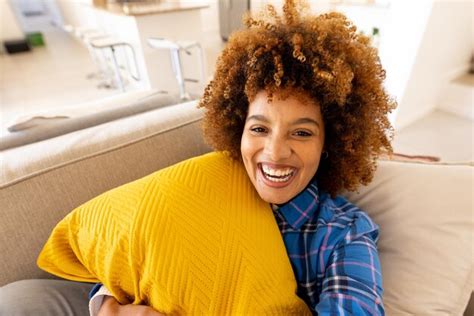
(191, 239)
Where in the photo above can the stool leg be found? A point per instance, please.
(107, 70)
(117, 70)
(99, 73)
(127, 62)
(178, 72)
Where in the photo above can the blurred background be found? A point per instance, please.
(66, 58)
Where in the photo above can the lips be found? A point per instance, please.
(276, 176)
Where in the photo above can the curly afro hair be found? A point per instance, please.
(321, 55)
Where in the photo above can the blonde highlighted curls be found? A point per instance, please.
(321, 55)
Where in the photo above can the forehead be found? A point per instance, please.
(288, 105)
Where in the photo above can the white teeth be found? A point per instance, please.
(278, 179)
(277, 172)
(277, 175)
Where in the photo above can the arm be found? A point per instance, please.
(110, 306)
(96, 298)
(353, 282)
(102, 303)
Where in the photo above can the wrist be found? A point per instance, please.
(109, 306)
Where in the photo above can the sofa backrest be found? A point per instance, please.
(41, 182)
(33, 128)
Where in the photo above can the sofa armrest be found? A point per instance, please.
(40, 183)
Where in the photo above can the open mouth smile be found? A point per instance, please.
(276, 177)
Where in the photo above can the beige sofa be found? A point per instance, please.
(424, 210)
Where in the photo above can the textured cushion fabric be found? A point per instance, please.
(42, 182)
(193, 239)
(425, 214)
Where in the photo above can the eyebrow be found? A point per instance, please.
(303, 120)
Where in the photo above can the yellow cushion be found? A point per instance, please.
(191, 239)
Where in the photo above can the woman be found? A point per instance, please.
(299, 100)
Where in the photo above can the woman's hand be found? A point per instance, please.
(110, 306)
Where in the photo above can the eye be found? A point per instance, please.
(258, 130)
(303, 133)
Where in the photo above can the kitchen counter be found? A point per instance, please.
(134, 22)
(152, 7)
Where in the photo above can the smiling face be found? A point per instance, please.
(281, 145)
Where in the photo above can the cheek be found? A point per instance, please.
(312, 158)
(246, 150)
(248, 147)
(315, 167)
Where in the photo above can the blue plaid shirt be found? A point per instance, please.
(332, 248)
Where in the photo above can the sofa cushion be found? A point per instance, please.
(41, 182)
(192, 239)
(426, 235)
(44, 297)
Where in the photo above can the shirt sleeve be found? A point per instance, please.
(96, 297)
(353, 281)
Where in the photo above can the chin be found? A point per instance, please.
(274, 199)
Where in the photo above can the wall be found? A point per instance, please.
(404, 30)
(78, 13)
(432, 46)
(211, 17)
(456, 94)
(9, 26)
(54, 12)
(317, 6)
(20, 7)
(47, 11)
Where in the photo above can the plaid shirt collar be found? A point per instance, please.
(302, 207)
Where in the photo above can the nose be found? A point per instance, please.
(277, 148)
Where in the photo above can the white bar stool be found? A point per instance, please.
(175, 48)
(113, 44)
(86, 35)
(82, 30)
(98, 60)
